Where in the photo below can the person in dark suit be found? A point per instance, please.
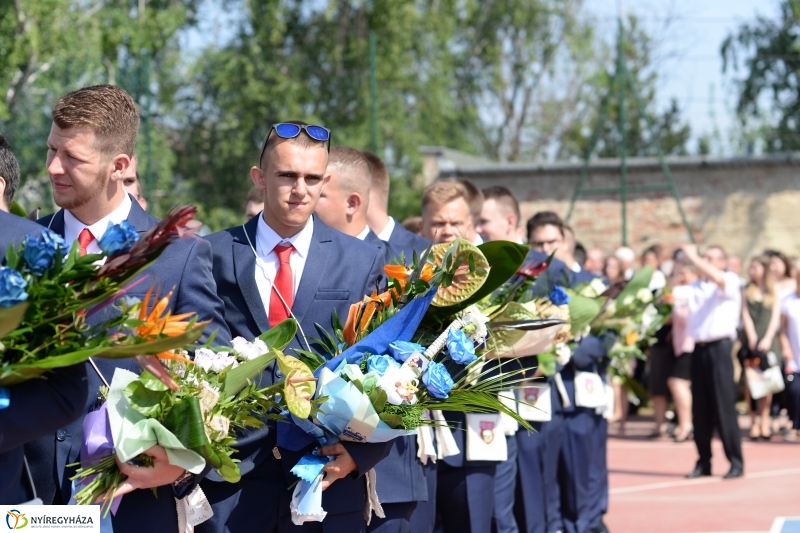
(286, 262)
(53, 401)
(344, 205)
(401, 241)
(89, 149)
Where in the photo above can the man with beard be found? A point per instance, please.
(89, 150)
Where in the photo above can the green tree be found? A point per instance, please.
(768, 101)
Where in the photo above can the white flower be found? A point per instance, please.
(563, 353)
(475, 327)
(628, 300)
(247, 350)
(261, 346)
(401, 385)
(649, 316)
(594, 289)
(644, 296)
(211, 361)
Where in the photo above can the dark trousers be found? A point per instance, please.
(397, 518)
(793, 394)
(540, 494)
(423, 518)
(714, 402)
(574, 469)
(505, 486)
(598, 474)
(465, 498)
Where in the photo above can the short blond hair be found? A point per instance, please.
(444, 191)
(108, 111)
(353, 175)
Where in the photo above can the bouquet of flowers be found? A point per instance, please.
(48, 292)
(195, 424)
(376, 385)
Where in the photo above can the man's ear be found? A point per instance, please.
(119, 166)
(354, 202)
(3, 206)
(257, 177)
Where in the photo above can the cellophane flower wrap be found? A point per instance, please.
(375, 383)
(49, 296)
(195, 424)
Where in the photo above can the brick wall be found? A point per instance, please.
(746, 205)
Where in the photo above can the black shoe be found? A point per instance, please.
(734, 472)
(699, 471)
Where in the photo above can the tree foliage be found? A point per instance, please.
(768, 52)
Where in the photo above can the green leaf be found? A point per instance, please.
(505, 258)
(185, 421)
(17, 209)
(237, 378)
(393, 421)
(639, 281)
(281, 335)
(144, 400)
(297, 394)
(11, 317)
(583, 310)
(378, 399)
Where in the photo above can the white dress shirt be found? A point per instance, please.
(713, 312)
(73, 226)
(363, 235)
(791, 310)
(386, 232)
(267, 260)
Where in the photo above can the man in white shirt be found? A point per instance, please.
(714, 304)
(448, 211)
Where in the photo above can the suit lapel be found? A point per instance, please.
(244, 265)
(314, 269)
(56, 223)
(138, 217)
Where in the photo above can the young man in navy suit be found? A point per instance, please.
(286, 262)
(91, 142)
(52, 402)
(385, 227)
(344, 205)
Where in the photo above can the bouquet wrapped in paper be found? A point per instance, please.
(48, 292)
(376, 385)
(195, 424)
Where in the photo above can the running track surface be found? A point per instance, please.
(649, 493)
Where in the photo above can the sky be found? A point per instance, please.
(690, 33)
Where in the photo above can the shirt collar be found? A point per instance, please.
(363, 235)
(73, 226)
(267, 239)
(387, 230)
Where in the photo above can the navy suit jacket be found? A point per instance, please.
(382, 246)
(402, 240)
(52, 401)
(184, 265)
(338, 272)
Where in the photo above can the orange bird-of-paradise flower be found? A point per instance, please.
(154, 324)
(631, 338)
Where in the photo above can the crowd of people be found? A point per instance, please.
(314, 239)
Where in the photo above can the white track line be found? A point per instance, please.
(700, 481)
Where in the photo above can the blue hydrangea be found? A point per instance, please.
(559, 296)
(380, 363)
(437, 380)
(460, 348)
(402, 350)
(118, 238)
(12, 287)
(40, 252)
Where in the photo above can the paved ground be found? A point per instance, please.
(649, 494)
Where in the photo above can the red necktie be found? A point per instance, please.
(283, 285)
(84, 239)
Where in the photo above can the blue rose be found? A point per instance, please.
(402, 350)
(437, 379)
(40, 252)
(118, 238)
(12, 287)
(461, 349)
(559, 296)
(380, 363)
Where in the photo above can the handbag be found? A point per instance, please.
(590, 390)
(763, 382)
(535, 404)
(608, 411)
(486, 440)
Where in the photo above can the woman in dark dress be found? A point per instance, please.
(761, 320)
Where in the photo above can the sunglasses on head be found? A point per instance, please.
(287, 130)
